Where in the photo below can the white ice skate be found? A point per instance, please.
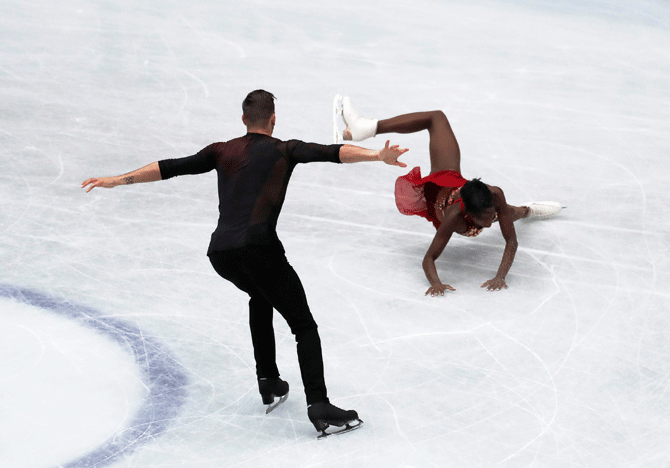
(358, 128)
(543, 209)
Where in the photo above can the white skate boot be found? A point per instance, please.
(358, 128)
(543, 209)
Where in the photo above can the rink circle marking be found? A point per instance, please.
(164, 376)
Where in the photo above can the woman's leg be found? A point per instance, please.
(519, 212)
(445, 155)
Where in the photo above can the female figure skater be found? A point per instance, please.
(452, 203)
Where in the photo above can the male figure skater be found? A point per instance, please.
(253, 175)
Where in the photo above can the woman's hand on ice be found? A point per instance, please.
(495, 284)
(439, 289)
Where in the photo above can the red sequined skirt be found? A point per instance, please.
(416, 195)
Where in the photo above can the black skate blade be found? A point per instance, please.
(271, 407)
(350, 426)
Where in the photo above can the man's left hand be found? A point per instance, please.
(390, 154)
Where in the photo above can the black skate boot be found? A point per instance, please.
(323, 415)
(271, 388)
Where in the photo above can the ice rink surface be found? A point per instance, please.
(119, 345)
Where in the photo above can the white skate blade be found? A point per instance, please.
(349, 426)
(337, 111)
(271, 407)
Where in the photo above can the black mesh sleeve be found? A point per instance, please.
(302, 152)
(203, 161)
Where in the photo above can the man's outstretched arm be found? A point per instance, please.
(388, 154)
(149, 173)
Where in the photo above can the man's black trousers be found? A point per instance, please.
(264, 273)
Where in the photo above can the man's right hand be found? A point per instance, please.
(106, 182)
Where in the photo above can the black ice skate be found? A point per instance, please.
(271, 389)
(323, 415)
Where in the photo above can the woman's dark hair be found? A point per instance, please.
(476, 196)
(258, 106)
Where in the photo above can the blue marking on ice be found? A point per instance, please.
(162, 373)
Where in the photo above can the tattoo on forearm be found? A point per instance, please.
(129, 180)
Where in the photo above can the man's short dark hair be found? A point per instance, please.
(476, 196)
(258, 107)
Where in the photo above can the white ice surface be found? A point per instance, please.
(568, 368)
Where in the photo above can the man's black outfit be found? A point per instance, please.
(253, 175)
